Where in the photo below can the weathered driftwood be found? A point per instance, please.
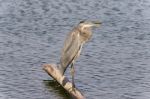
(54, 72)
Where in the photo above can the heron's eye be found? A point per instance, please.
(82, 21)
(83, 33)
(85, 28)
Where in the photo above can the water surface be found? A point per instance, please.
(115, 64)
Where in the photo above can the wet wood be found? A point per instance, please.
(54, 72)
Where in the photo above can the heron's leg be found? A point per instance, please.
(72, 74)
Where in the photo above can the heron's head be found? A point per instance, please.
(85, 28)
(89, 24)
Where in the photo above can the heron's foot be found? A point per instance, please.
(73, 87)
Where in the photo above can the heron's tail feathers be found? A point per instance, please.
(61, 69)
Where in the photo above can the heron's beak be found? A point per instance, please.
(96, 23)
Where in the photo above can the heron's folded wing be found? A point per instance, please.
(70, 49)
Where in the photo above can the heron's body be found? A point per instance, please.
(72, 48)
(73, 45)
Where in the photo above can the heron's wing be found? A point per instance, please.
(68, 42)
(70, 49)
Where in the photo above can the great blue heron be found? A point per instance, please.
(73, 45)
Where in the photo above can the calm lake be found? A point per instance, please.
(115, 64)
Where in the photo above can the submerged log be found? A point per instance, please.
(54, 72)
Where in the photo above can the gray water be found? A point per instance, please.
(115, 64)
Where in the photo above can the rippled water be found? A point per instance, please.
(114, 65)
